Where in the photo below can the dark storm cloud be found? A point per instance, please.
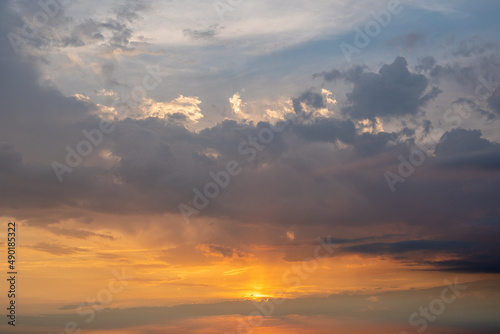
(393, 91)
(327, 130)
(468, 256)
(373, 144)
(462, 141)
(466, 149)
(299, 179)
(160, 164)
(411, 246)
(485, 159)
(478, 263)
(36, 124)
(37, 120)
(44, 107)
(158, 171)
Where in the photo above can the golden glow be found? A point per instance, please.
(168, 274)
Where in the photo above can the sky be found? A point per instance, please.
(237, 166)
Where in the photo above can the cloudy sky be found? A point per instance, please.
(237, 166)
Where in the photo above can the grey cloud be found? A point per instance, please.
(207, 34)
(461, 141)
(468, 256)
(10, 160)
(474, 46)
(408, 41)
(158, 170)
(299, 179)
(77, 233)
(64, 31)
(329, 76)
(494, 101)
(487, 159)
(426, 63)
(465, 75)
(225, 251)
(56, 249)
(342, 241)
(121, 33)
(87, 32)
(310, 98)
(427, 126)
(327, 130)
(468, 73)
(411, 246)
(129, 11)
(478, 263)
(38, 120)
(92, 32)
(394, 91)
(393, 306)
(373, 144)
(352, 74)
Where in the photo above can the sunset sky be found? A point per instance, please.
(237, 166)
